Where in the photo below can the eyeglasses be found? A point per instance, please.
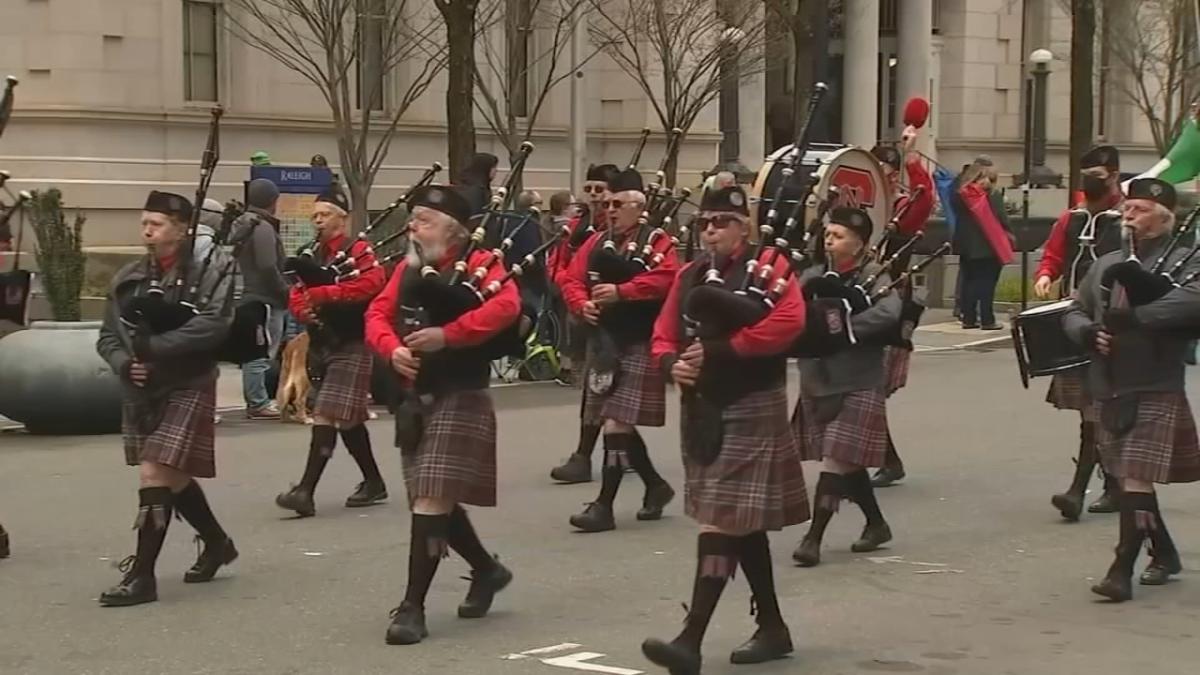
(594, 189)
(617, 203)
(718, 222)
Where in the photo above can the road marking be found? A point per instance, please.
(900, 560)
(542, 650)
(578, 661)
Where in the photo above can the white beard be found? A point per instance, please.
(420, 255)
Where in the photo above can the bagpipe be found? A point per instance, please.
(431, 297)
(163, 309)
(646, 248)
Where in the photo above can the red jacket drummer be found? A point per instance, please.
(1078, 238)
(744, 476)
(915, 216)
(627, 391)
(446, 424)
(338, 360)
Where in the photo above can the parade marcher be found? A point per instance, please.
(4, 550)
(916, 215)
(168, 385)
(263, 288)
(578, 467)
(841, 417)
(633, 393)
(755, 482)
(1078, 238)
(1146, 433)
(448, 446)
(338, 360)
(476, 181)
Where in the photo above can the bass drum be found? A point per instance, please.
(855, 171)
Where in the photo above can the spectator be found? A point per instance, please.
(476, 180)
(260, 158)
(984, 242)
(261, 262)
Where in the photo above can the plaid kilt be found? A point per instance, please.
(896, 361)
(183, 440)
(1162, 446)
(638, 395)
(1068, 392)
(456, 458)
(756, 483)
(341, 393)
(858, 435)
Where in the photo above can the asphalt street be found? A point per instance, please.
(982, 577)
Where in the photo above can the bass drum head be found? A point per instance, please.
(855, 171)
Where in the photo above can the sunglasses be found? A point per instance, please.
(718, 222)
(593, 189)
(616, 203)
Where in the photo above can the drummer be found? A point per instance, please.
(920, 192)
(1078, 238)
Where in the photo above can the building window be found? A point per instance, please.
(518, 29)
(200, 50)
(372, 22)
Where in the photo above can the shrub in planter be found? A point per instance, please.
(59, 253)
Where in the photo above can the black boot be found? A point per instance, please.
(488, 576)
(1137, 520)
(320, 449)
(876, 533)
(772, 640)
(658, 492)
(429, 543)
(578, 467)
(1164, 557)
(4, 550)
(371, 490)
(1070, 503)
(139, 585)
(598, 516)
(831, 487)
(717, 560)
(892, 469)
(1108, 502)
(218, 547)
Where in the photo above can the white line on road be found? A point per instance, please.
(542, 650)
(578, 661)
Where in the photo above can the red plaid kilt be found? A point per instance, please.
(343, 390)
(1067, 392)
(183, 440)
(638, 395)
(896, 361)
(456, 459)
(1162, 446)
(756, 483)
(858, 435)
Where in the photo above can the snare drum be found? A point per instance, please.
(1042, 345)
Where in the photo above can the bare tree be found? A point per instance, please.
(519, 71)
(460, 21)
(675, 51)
(1154, 43)
(350, 50)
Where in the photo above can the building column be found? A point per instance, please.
(915, 55)
(860, 73)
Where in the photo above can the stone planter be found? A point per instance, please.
(53, 381)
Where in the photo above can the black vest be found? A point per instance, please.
(725, 381)
(451, 369)
(629, 322)
(344, 321)
(1106, 239)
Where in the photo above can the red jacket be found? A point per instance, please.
(359, 289)
(576, 288)
(1054, 253)
(915, 219)
(768, 337)
(472, 328)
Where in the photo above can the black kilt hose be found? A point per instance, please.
(756, 482)
(456, 458)
(857, 435)
(896, 362)
(183, 437)
(341, 381)
(638, 396)
(1067, 392)
(1162, 446)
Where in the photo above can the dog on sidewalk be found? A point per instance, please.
(294, 385)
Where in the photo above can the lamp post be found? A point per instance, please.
(1039, 174)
